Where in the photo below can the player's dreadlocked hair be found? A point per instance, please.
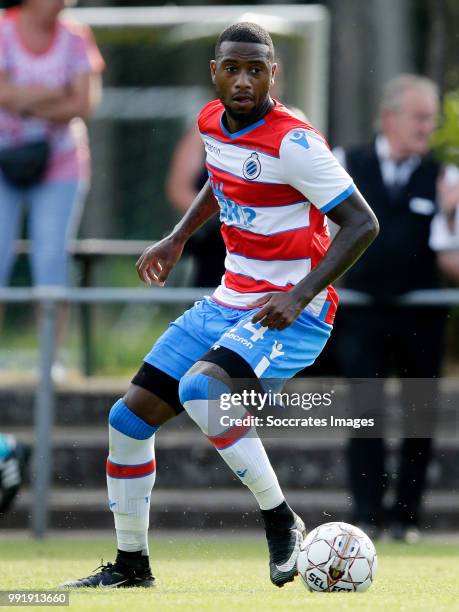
(245, 31)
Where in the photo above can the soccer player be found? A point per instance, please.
(272, 178)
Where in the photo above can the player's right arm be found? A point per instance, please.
(157, 261)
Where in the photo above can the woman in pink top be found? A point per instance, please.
(49, 82)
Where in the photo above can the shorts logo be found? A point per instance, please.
(276, 350)
(232, 336)
(264, 363)
(252, 167)
(257, 332)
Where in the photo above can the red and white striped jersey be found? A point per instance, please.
(273, 180)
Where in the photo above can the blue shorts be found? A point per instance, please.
(270, 353)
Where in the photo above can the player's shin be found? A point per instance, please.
(238, 444)
(131, 472)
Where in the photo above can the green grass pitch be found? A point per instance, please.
(231, 574)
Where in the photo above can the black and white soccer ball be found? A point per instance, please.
(337, 557)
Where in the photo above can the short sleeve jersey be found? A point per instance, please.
(274, 182)
(71, 52)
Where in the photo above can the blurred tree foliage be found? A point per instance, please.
(445, 141)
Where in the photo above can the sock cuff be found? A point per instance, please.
(201, 386)
(125, 421)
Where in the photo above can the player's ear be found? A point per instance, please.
(213, 68)
(273, 73)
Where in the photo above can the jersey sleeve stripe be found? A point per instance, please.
(338, 199)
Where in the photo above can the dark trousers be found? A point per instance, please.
(374, 344)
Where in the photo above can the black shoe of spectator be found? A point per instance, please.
(409, 534)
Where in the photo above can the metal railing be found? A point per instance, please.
(49, 297)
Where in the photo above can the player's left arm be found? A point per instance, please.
(358, 227)
(315, 172)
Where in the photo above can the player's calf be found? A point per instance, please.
(244, 453)
(131, 472)
(238, 445)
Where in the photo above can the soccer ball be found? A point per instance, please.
(337, 557)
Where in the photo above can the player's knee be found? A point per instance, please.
(193, 386)
(125, 421)
(196, 391)
(150, 407)
(204, 380)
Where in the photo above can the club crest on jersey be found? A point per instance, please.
(252, 167)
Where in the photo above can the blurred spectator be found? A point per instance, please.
(398, 176)
(444, 238)
(14, 459)
(49, 82)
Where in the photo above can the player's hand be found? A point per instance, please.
(157, 260)
(277, 310)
